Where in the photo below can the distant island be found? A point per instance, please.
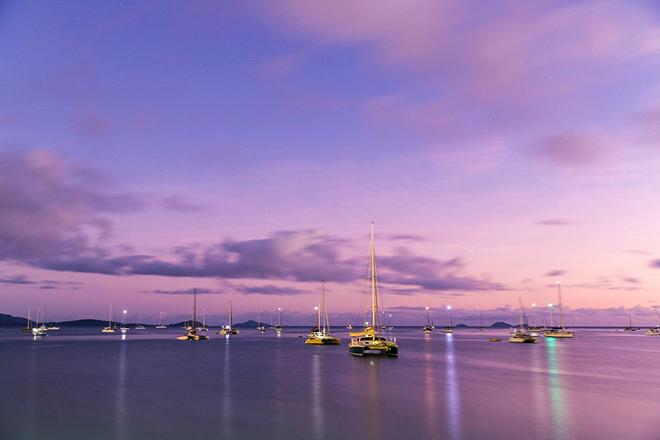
(501, 324)
(17, 321)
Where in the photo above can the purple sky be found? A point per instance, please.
(243, 147)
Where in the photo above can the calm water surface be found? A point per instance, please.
(80, 384)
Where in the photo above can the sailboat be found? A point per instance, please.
(630, 327)
(122, 327)
(349, 326)
(111, 326)
(560, 332)
(261, 327)
(160, 321)
(229, 329)
(191, 333)
(321, 334)
(139, 326)
(203, 328)
(428, 328)
(40, 330)
(655, 331)
(520, 335)
(28, 323)
(449, 329)
(278, 327)
(369, 341)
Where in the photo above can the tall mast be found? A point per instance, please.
(522, 315)
(29, 325)
(449, 314)
(322, 309)
(428, 318)
(194, 316)
(231, 320)
(279, 316)
(561, 312)
(110, 315)
(374, 290)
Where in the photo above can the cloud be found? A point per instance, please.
(403, 237)
(178, 203)
(201, 291)
(52, 211)
(407, 269)
(568, 150)
(16, 279)
(271, 289)
(655, 263)
(555, 273)
(555, 222)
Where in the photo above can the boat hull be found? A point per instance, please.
(559, 335)
(323, 341)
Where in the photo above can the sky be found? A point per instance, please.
(243, 148)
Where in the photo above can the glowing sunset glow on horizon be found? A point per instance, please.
(244, 148)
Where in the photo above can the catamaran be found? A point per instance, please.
(160, 321)
(520, 335)
(111, 326)
(40, 330)
(191, 333)
(560, 332)
(321, 334)
(428, 328)
(369, 341)
(278, 327)
(450, 328)
(229, 328)
(655, 331)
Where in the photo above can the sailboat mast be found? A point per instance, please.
(110, 315)
(29, 325)
(374, 292)
(231, 318)
(322, 309)
(194, 316)
(561, 311)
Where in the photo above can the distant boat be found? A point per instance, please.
(160, 321)
(53, 327)
(428, 328)
(369, 341)
(261, 327)
(520, 335)
(321, 334)
(349, 326)
(28, 323)
(40, 330)
(450, 328)
(191, 333)
(139, 326)
(630, 327)
(560, 332)
(203, 328)
(655, 331)
(278, 326)
(111, 327)
(228, 329)
(122, 326)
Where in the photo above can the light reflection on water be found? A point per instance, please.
(84, 385)
(453, 397)
(121, 409)
(317, 395)
(226, 392)
(556, 393)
